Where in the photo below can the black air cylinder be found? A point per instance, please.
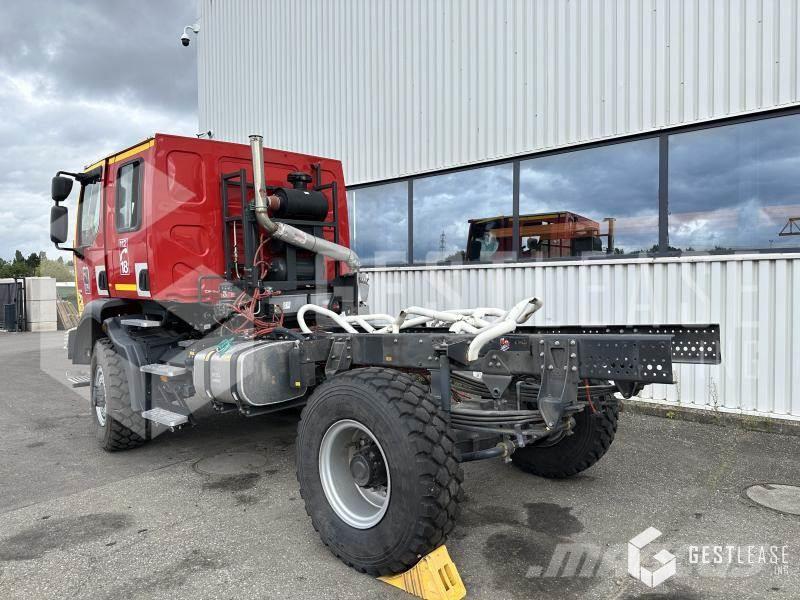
(307, 205)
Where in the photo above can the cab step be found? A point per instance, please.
(165, 417)
(79, 380)
(163, 370)
(145, 323)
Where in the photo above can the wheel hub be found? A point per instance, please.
(354, 474)
(367, 467)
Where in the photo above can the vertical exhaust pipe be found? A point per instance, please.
(287, 233)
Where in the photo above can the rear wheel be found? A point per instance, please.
(377, 469)
(592, 437)
(117, 426)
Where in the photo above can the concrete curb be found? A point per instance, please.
(722, 419)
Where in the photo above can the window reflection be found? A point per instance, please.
(89, 213)
(128, 197)
(595, 201)
(731, 187)
(379, 223)
(464, 215)
(735, 186)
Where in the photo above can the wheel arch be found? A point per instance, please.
(90, 327)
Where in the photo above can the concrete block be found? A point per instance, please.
(43, 326)
(40, 288)
(41, 310)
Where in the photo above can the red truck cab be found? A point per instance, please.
(150, 218)
(542, 236)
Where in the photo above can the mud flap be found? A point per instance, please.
(135, 358)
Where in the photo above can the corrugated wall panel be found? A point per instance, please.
(755, 299)
(395, 88)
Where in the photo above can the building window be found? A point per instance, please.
(464, 216)
(379, 223)
(735, 187)
(128, 207)
(89, 213)
(596, 201)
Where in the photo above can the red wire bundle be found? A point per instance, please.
(246, 307)
(252, 326)
(265, 263)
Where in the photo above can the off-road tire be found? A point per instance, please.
(421, 455)
(123, 429)
(593, 434)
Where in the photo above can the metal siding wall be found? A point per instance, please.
(756, 301)
(395, 88)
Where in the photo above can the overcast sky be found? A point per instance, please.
(79, 80)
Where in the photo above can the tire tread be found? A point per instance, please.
(435, 450)
(548, 464)
(122, 435)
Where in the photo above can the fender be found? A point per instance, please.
(80, 341)
(134, 354)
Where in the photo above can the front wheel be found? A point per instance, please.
(592, 437)
(117, 426)
(377, 469)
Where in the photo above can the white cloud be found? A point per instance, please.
(49, 134)
(79, 81)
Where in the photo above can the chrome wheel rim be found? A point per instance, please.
(99, 396)
(360, 506)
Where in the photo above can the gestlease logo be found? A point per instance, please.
(635, 568)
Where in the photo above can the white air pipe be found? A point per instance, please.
(460, 320)
(282, 231)
(364, 321)
(516, 316)
(430, 314)
(336, 318)
(345, 322)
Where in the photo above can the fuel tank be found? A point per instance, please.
(253, 373)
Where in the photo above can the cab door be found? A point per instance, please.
(126, 234)
(90, 271)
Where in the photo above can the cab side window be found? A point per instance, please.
(128, 206)
(89, 213)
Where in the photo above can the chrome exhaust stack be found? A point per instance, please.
(282, 231)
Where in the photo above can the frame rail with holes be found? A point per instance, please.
(695, 344)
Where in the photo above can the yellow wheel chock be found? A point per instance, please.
(434, 577)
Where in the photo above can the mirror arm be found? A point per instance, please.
(75, 251)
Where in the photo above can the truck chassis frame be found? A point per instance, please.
(528, 382)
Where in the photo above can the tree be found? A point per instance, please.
(15, 269)
(33, 262)
(37, 264)
(56, 269)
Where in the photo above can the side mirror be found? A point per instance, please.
(59, 221)
(60, 187)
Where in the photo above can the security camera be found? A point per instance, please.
(185, 39)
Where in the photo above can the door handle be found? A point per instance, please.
(144, 280)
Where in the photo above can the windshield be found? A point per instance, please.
(487, 237)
